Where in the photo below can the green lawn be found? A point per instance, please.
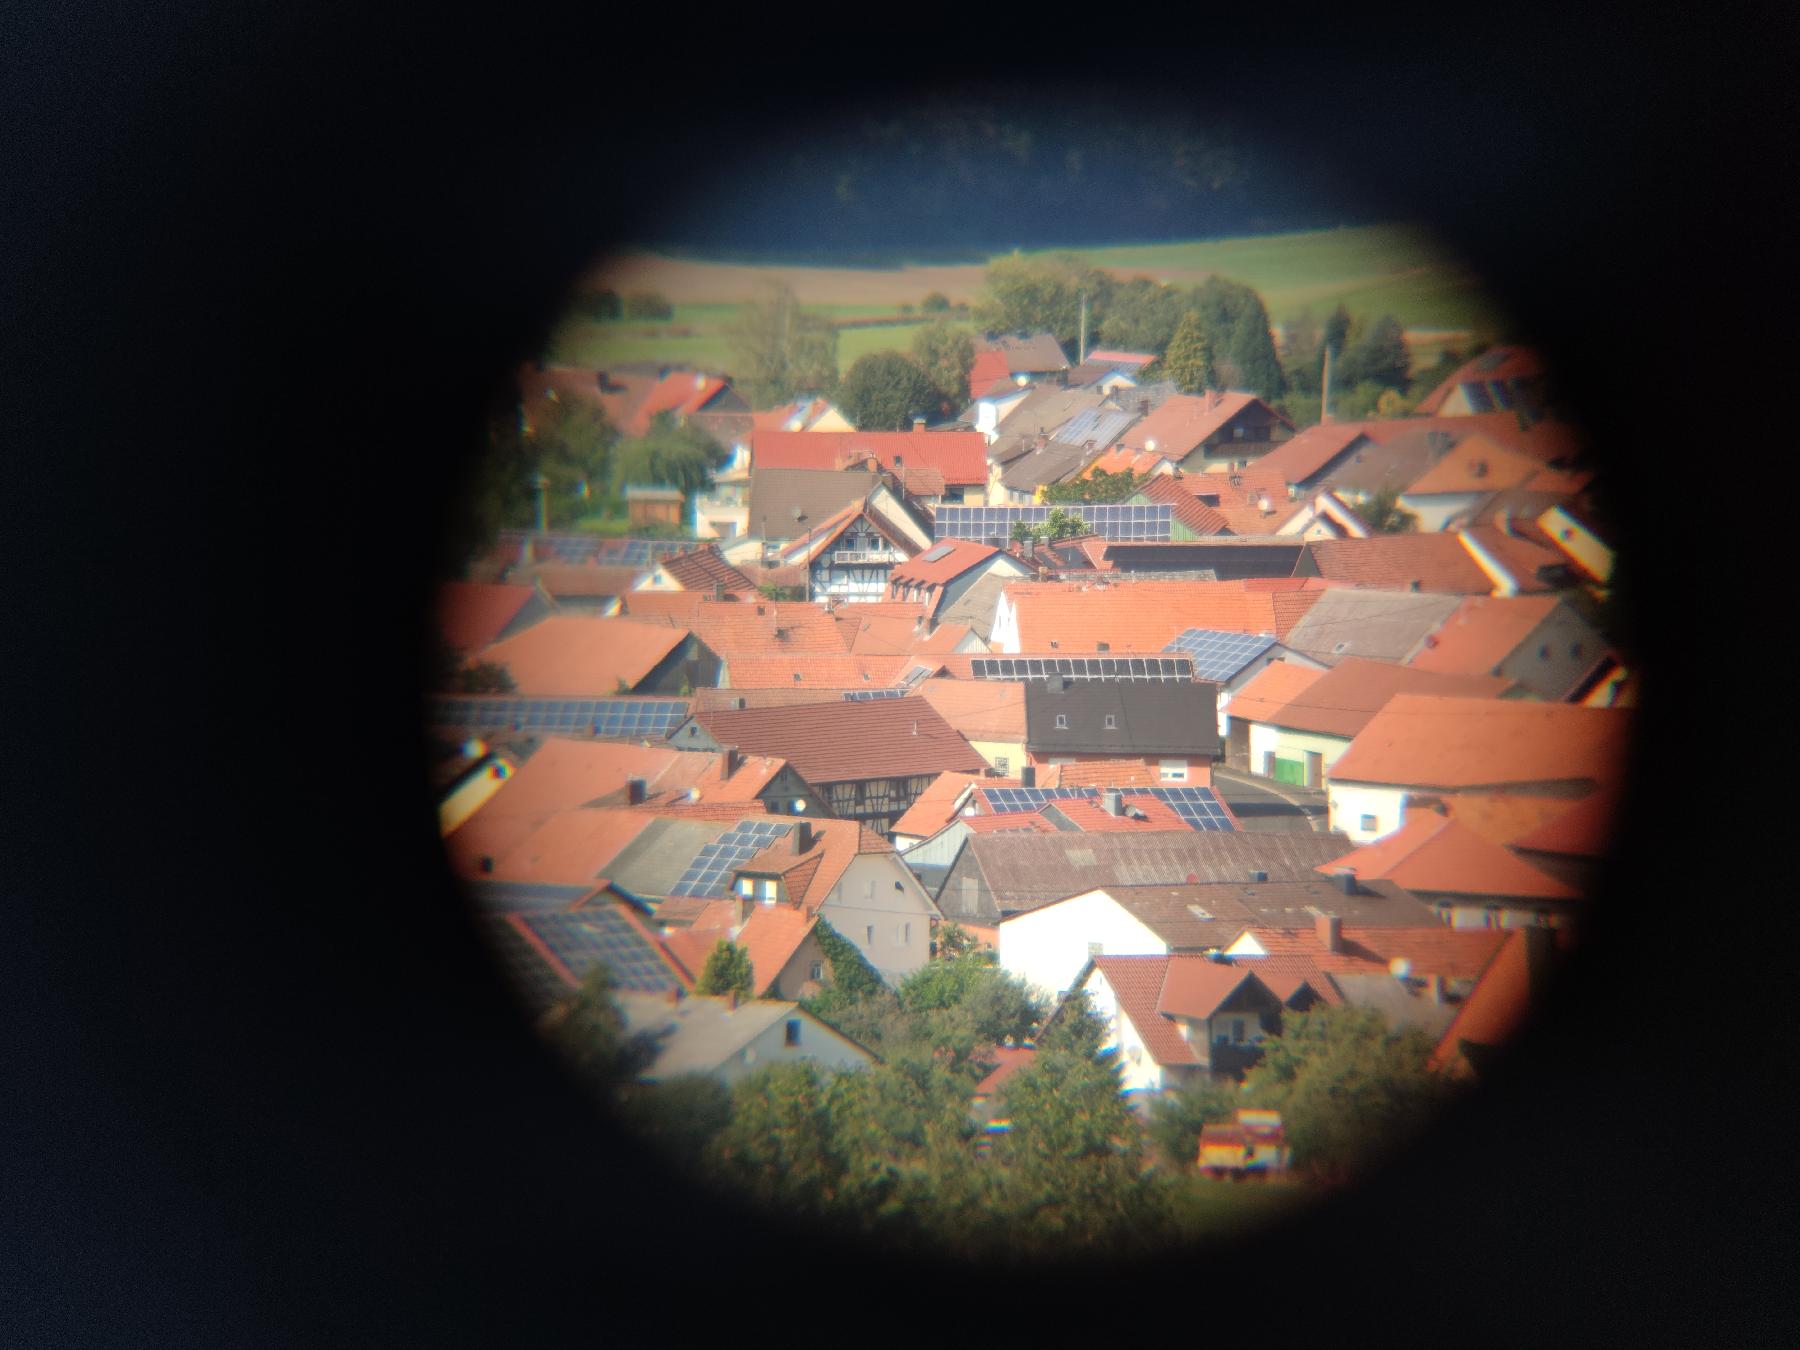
(698, 335)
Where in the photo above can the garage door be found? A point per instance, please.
(1290, 771)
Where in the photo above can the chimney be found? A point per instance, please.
(1113, 801)
(739, 702)
(718, 590)
(759, 610)
(1028, 776)
(731, 1000)
(1330, 929)
(918, 424)
(731, 762)
(1344, 878)
(1143, 407)
(634, 791)
(1054, 683)
(802, 835)
(1435, 983)
(1413, 585)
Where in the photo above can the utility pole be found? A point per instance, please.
(1325, 390)
(1083, 352)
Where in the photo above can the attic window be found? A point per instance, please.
(1112, 722)
(1103, 646)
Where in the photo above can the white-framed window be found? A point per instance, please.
(1062, 721)
(1370, 823)
(903, 934)
(1000, 764)
(793, 1031)
(768, 889)
(818, 970)
(1112, 722)
(869, 934)
(1173, 770)
(746, 886)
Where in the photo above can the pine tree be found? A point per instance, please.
(1188, 363)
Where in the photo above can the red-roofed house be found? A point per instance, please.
(576, 656)
(1217, 428)
(1538, 641)
(1419, 745)
(959, 457)
(1501, 378)
(1137, 616)
(1467, 475)
(702, 570)
(1299, 740)
(1474, 882)
(1514, 982)
(851, 555)
(1179, 1020)
(948, 570)
(472, 615)
(1481, 560)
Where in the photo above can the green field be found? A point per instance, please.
(1371, 269)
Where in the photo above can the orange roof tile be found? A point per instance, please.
(1482, 632)
(1195, 986)
(935, 807)
(982, 710)
(990, 368)
(1144, 616)
(1271, 689)
(1504, 816)
(1431, 949)
(960, 456)
(961, 555)
(1342, 700)
(1010, 822)
(1499, 1003)
(1441, 855)
(1183, 421)
(829, 670)
(1184, 506)
(1089, 816)
(1137, 981)
(566, 848)
(470, 614)
(1010, 1059)
(1099, 773)
(570, 580)
(1437, 562)
(1500, 363)
(1585, 830)
(1476, 464)
(679, 393)
(1303, 455)
(576, 656)
(770, 935)
(704, 568)
(1423, 741)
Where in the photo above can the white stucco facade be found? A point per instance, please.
(1048, 947)
(1364, 812)
(1287, 743)
(1139, 1071)
(879, 905)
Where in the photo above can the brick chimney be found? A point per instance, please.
(1330, 929)
(918, 424)
(634, 791)
(802, 836)
(1345, 879)
(1028, 775)
(730, 764)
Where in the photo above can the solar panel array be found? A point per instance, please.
(1083, 667)
(585, 938)
(606, 718)
(1218, 655)
(713, 865)
(577, 547)
(935, 552)
(991, 524)
(1100, 425)
(510, 897)
(1197, 806)
(865, 695)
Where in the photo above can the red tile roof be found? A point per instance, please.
(1137, 982)
(1090, 817)
(1499, 1003)
(1422, 741)
(1195, 986)
(962, 555)
(1183, 421)
(990, 368)
(1482, 632)
(704, 568)
(770, 935)
(1437, 561)
(1184, 506)
(471, 615)
(1101, 773)
(1501, 363)
(1342, 700)
(579, 656)
(982, 710)
(1504, 816)
(1271, 689)
(935, 807)
(836, 742)
(1010, 1060)
(1144, 616)
(1438, 854)
(567, 580)
(1585, 830)
(821, 670)
(1303, 455)
(1011, 822)
(960, 456)
(679, 393)
(1432, 949)
(1476, 464)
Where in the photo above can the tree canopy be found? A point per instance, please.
(946, 353)
(883, 391)
(1189, 364)
(680, 456)
(727, 969)
(781, 351)
(1233, 317)
(1384, 514)
(1042, 294)
(1099, 486)
(1141, 316)
(1377, 355)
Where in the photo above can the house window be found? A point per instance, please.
(1000, 764)
(746, 886)
(1237, 1030)
(1174, 770)
(793, 1031)
(768, 891)
(1112, 722)
(818, 971)
(1062, 721)
(903, 934)
(869, 936)
(1370, 823)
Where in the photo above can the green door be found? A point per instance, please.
(1290, 771)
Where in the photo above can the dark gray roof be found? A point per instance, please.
(1381, 625)
(651, 864)
(1102, 426)
(1047, 407)
(1052, 463)
(1231, 557)
(1026, 871)
(819, 493)
(1132, 400)
(1147, 717)
(1374, 466)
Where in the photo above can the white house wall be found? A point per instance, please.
(1004, 637)
(878, 892)
(1290, 744)
(1350, 802)
(1048, 947)
(1139, 1071)
(819, 1044)
(1437, 509)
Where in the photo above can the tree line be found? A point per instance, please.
(894, 1151)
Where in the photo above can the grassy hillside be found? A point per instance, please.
(1377, 269)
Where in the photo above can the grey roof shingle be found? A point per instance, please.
(1149, 717)
(1381, 625)
(818, 493)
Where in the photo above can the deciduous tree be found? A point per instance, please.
(1042, 294)
(884, 391)
(1189, 363)
(781, 351)
(946, 353)
(727, 970)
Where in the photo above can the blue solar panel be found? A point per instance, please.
(1110, 521)
(864, 695)
(1218, 655)
(586, 938)
(713, 865)
(1198, 808)
(1180, 667)
(605, 717)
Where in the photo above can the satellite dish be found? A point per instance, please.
(798, 513)
(1400, 967)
